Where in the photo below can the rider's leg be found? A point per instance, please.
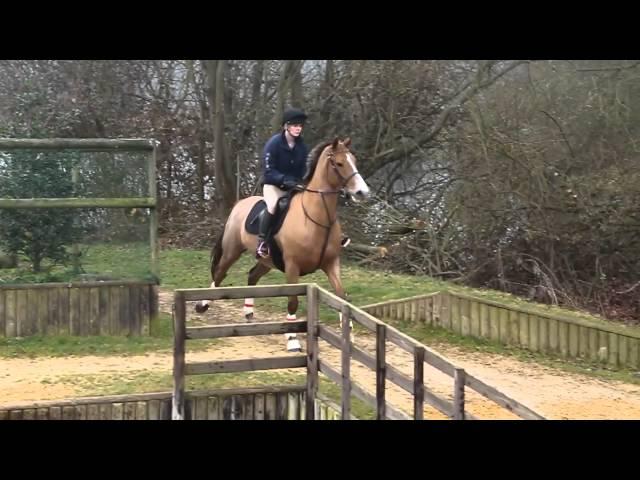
(271, 195)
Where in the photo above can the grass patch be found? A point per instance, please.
(160, 340)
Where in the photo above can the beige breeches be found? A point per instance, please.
(271, 195)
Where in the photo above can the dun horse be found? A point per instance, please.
(308, 239)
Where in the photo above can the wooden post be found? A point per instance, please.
(179, 338)
(381, 339)
(346, 362)
(153, 214)
(312, 350)
(458, 394)
(418, 383)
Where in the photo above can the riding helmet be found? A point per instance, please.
(294, 115)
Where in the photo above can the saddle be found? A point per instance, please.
(253, 222)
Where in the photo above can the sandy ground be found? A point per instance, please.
(552, 393)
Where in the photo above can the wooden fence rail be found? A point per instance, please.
(314, 365)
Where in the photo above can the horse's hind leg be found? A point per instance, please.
(255, 274)
(219, 272)
(332, 271)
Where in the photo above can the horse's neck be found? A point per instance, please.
(317, 206)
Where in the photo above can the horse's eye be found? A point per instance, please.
(339, 164)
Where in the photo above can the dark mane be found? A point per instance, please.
(314, 156)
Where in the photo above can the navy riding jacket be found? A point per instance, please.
(282, 163)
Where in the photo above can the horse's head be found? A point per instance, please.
(342, 170)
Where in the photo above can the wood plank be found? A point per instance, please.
(474, 317)
(105, 412)
(501, 399)
(85, 308)
(583, 342)
(418, 383)
(543, 337)
(421, 310)
(21, 313)
(68, 413)
(445, 307)
(634, 353)
(42, 414)
(414, 311)
(43, 311)
(200, 404)
(563, 338)
(15, 415)
(313, 313)
(213, 408)
(282, 406)
(135, 323)
(485, 328)
(248, 329)
(456, 313)
(81, 412)
(514, 328)
(4, 415)
(613, 349)
(523, 330)
(245, 365)
(458, 394)
(104, 326)
(623, 351)
(255, 291)
(55, 413)
(392, 413)
(141, 411)
(381, 370)
(494, 324)
(534, 333)
(574, 340)
(179, 365)
(346, 363)
(593, 344)
(554, 336)
(165, 409)
(114, 310)
(29, 414)
(438, 310)
(258, 405)
(3, 328)
(76, 202)
(53, 312)
(153, 409)
(94, 311)
(64, 315)
(129, 411)
(117, 411)
(74, 311)
(293, 411)
(30, 326)
(124, 327)
(84, 144)
(47, 286)
(248, 406)
(270, 406)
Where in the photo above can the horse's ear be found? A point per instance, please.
(334, 145)
(347, 142)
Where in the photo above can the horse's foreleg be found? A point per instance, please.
(333, 274)
(292, 273)
(255, 274)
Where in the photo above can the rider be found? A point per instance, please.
(284, 162)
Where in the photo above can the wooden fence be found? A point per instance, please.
(314, 365)
(84, 308)
(262, 403)
(568, 337)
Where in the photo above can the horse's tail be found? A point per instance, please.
(216, 252)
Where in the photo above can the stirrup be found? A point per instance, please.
(262, 250)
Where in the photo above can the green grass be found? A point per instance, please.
(160, 340)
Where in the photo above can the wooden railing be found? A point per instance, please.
(383, 370)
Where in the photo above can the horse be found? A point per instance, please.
(310, 235)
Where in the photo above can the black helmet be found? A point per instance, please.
(294, 115)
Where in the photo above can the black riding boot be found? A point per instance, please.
(265, 225)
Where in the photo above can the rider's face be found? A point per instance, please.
(294, 129)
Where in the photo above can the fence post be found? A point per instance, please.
(346, 361)
(458, 394)
(312, 351)
(381, 338)
(418, 383)
(179, 338)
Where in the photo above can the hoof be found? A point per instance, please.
(201, 308)
(293, 345)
